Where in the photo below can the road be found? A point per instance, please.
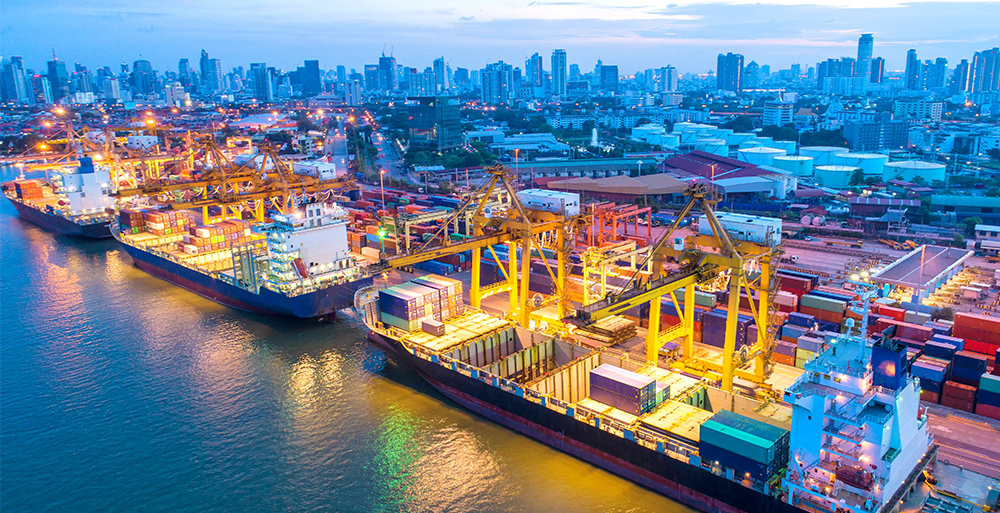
(335, 147)
(966, 440)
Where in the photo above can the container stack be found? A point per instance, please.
(131, 221)
(162, 223)
(750, 447)
(28, 189)
(825, 306)
(958, 396)
(622, 389)
(450, 296)
(980, 332)
(714, 328)
(988, 398)
(403, 306)
(610, 330)
(933, 372)
(784, 353)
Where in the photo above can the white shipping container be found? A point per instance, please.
(566, 203)
(744, 227)
(370, 252)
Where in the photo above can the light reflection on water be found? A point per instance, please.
(121, 392)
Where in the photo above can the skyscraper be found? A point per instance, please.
(341, 74)
(729, 72)
(41, 90)
(260, 82)
(559, 72)
(352, 93)
(58, 79)
(865, 46)
(142, 77)
(213, 78)
(441, 74)
(609, 78)
(371, 77)
(533, 70)
(203, 66)
(309, 76)
(387, 75)
(984, 71)
(751, 76)
(877, 70)
(935, 73)
(960, 78)
(184, 72)
(913, 73)
(15, 84)
(497, 79)
(574, 72)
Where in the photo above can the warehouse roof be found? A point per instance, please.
(965, 201)
(745, 184)
(650, 184)
(892, 202)
(922, 267)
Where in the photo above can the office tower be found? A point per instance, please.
(984, 71)
(960, 78)
(533, 70)
(184, 72)
(877, 69)
(15, 83)
(112, 88)
(441, 74)
(609, 78)
(497, 79)
(935, 73)
(423, 84)
(461, 77)
(341, 74)
(765, 72)
(352, 93)
(174, 94)
(559, 72)
(309, 77)
(41, 90)
(435, 122)
(371, 77)
(866, 44)
(670, 78)
(795, 72)
(574, 72)
(142, 77)
(213, 80)
(260, 82)
(751, 76)
(847, 67)
(913, 73)
(203, 67)
(58, 79)
(388, 75)
(729, 71)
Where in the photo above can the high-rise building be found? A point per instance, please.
(260, 82)
(984, 71)
(371, 77)
(41, 90)
(751, 76)
(665, 79)
(341, 74)
(911, 79)
(574, 72)
(203, 67)
(435, 122)
(609, 78)
(497, 83)
(960, 78)
(58, 79)
(423, 84)
(461, 77)
(866, 44)
(559, 72)
(142, 77)
(778, 113)
(213, 78)
(112, 88)
(388, 77)
(15, 84)
(881, 133)
(352, 93)
(729, 72)
(877, 70)
(935, 73)
(309, 77)
(533, 70)
(184, 72)
(441, 74)
(795, 71)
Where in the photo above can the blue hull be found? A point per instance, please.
(61, 225)
(320, 303)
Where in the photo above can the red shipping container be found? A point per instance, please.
(896, 313)
(958, 404)
(930, 397)
(967, 332)
(959, 391)
(979, 322)
(783, 359)
(980, 347)
(987, 410)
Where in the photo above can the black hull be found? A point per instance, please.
(61, 225)
(692, 485)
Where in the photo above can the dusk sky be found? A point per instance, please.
(633, 34)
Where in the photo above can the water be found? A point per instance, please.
(121, 392)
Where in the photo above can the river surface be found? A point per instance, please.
(121, 392)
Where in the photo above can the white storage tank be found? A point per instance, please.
(908, 169)
(690, 136)
(751, 143)
(797, 165)
(870, 163)
(788, 146)
(822, 155)
(566, 203)
(738, 139)
(834, 177)
(760, 156)
(806, 220)
(671, 141)
(765, 141)
(714, 146)
(819, 220)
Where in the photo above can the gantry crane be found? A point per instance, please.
(698, 267)
(518, 226)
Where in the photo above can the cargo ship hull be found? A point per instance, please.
(687, 483)
(61, 225)
(320, 303)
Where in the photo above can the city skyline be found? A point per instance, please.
(688, 36)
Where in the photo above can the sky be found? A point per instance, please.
(633, 34)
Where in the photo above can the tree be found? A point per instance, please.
(958, 241)
(970, 224)
(993, 192)
(994, 154)
(780, 133)
(823, 138)
(945, 312)
(919, 180)
(858, 177)
(739, 124)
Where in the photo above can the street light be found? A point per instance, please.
(381, 181)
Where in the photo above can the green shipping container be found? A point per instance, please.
(745, 444)
(990, 383)
(822, 303)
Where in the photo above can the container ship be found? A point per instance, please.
(75, 201)
(848, 435)
(298, 264)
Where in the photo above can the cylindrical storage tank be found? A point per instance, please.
(797, 165)
(751, 143)
(806, 219)
(788, 146)
(908, 169)
(689, 136)
(870, 163)
(834, 177)
(672, 141)
(714, 146)
(760, 156)
(819, 220)
(737, 139)
(822, 155)
(765, 141)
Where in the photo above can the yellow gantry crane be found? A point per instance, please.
(531, 230)
(732, 261)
